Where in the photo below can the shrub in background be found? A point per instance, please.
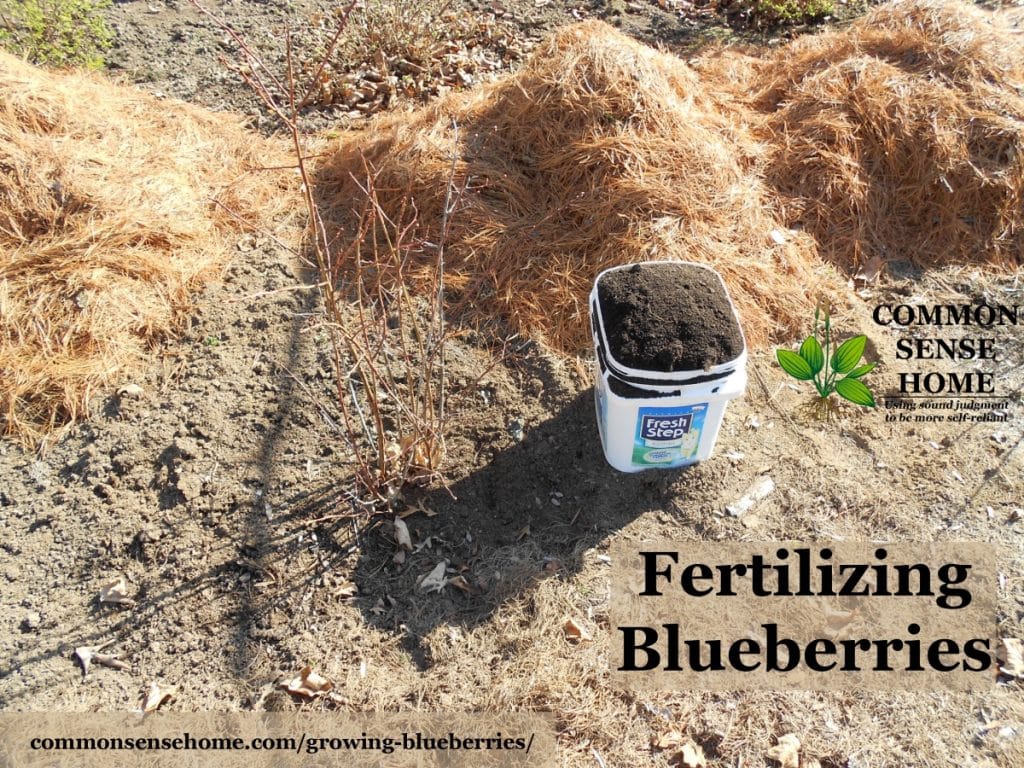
(393, 49)
(762, 14)
(791, 11)
(56, 33)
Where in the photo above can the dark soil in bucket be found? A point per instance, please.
(668, 317)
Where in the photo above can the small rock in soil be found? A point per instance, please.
(190, 485)
(515, 430)
(39, 473)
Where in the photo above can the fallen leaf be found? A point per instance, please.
(346, 590)
(378, 607)
(308, 684)
(690, 756)
(116, 592)
(755, 493)
(786, 752)
(870, 271)
(435, 580)
(575, 632)
(425, 453)
(523, 532)
(460, 583)
(402, 535)
(86, 655)
(669, 740)
(420, 506)
(157, 696)
(130, 390)
(1013, 661)
(258, 568)
(552, 566)
(399, 557)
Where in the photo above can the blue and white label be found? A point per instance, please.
(668, 430)
(668, 436)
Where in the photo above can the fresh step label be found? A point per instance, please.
(667, 436)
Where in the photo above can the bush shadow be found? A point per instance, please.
(535, 509)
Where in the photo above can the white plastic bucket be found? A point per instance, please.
(654, 419)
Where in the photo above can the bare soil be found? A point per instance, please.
(220, 493)
(170, 48)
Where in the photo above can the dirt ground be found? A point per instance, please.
(217, 489)
(170, 48)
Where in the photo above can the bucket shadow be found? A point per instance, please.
(550, 497)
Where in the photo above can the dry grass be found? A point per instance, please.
(899, 137)
(902, 136)
(519, 659)
(114, 206)
(599, 151)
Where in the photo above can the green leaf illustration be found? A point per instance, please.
(848, 355)
(857, 373)
(855, 392)
(794, 365)
(811, 351)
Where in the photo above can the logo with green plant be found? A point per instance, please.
(841, 375)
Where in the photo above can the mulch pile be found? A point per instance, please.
(903, 136)
(899, 137)
(599, 151)
(114, 208)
